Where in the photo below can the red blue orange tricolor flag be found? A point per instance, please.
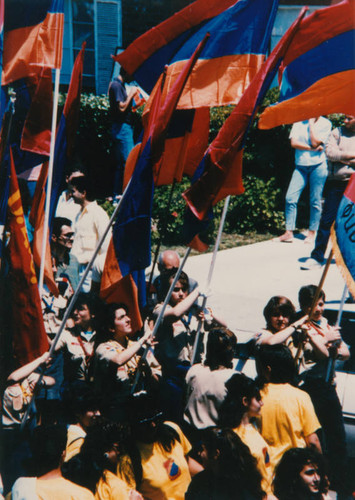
(343, 236)
(33, 36)
(239, 36)
(129, 251)
(318, 72)
(29, 335)
(220, 172)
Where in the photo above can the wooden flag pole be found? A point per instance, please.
(210, 274)
(161, 314)
(73, 299)
(314, 303)
(49, 180)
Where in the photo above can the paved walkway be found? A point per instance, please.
(246, 277)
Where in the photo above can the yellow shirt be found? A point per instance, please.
(111, 487)
(61, 489)
(166, 475)
(260, 450)
(75, 439)
(287, 418)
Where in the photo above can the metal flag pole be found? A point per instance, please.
(161, 314)
(165, 226)
(334, 348)
(49, 180)
(73, 299)
(210, 274)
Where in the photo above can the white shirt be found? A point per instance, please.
(89, 226)
(67, 208)
(300, 132)
(207, 391)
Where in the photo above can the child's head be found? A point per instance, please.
(306, 296)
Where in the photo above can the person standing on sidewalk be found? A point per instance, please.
(340, 151)
(308, 139)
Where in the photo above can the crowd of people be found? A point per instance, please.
(119, 414)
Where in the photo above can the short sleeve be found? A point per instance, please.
(185, 443)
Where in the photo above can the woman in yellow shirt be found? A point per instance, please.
(242, 403)
(102, 467)
(164, 451)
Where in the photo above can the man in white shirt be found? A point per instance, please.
(89, 226)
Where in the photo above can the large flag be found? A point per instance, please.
(240, 33)
(29, 335)
(36, 133)
(33, 37)
(128, 254)
(66, 132)
(318, 76)
(36, 218)
(220, 172)
(185, 144)
(343, 236)
(4, 171)
(129, 251)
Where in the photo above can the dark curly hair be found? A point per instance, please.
(288, 484)
(235, 464)
(239, 386)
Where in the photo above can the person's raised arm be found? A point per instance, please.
(281, 336)
(121, 358)
(123, 105)
(182, 307)
(26, 370)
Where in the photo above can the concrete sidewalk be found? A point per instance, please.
(246, 277)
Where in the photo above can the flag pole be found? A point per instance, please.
(156, 253)
(49, 180)
(161, 314)
(334, 348)
(73, 299)
(314, 302)
(210, 274)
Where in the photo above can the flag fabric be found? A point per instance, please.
(129, 251)
(185, 144)
(318, 76)
(25, 90)
(29, 336)
(4, 171)
(343, 236)
(240, 32)
(220, 172)
(66, 132)
(36, 218)
(33, 37)
(36, 133)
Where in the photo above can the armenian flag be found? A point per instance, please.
(29, 335)
(220, 171)
(343, 236)
(318, 72)
(33, 37)
(239, 36)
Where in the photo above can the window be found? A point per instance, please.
(83, 15)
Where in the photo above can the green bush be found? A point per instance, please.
(268, 164)
(256, 209)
